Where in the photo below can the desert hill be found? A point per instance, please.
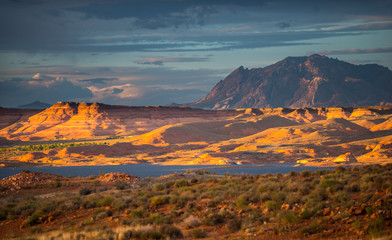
(9, 116)
(298, 82)
(68, 120)
(212, 131)
(181, 136)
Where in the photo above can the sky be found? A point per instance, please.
(156, 52)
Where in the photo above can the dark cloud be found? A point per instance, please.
(161, 60)
(367, 27)
(20, 91)
(117, 90)
(98, 80)
(356, 51)
(283, 25)
(72, 26)
(363, 61)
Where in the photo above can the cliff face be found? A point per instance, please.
(315, 81)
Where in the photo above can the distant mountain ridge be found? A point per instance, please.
(35, 105)
(297, 82)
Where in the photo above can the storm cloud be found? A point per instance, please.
(22, 91)
(160, 51)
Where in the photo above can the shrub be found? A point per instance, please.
(3, 214)
(171, 231)
(198, 233)
(105, 202)
(306, 214)
(157, 219)
(311, 229)
(306, 173)
(234, 225)
(138, 213)
(354, 188)
(376, 228)
(32, 220)
(158, 187)
(288, 217)
(143, 234)
(157, 201)
(181, 183)
(214, 219)
(89, 221)
(191, 222)
(57, 184)
(242, 201)
(96, 183)
(84, 190)
(119, 204)
(271, 205)
(341, 197)
(121, 185)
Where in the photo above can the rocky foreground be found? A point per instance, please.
(96, 134)
(344, 203)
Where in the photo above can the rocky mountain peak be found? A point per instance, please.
(314, 81)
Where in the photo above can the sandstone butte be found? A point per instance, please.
(181, 135)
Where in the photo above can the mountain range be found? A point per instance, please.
(297, 82)
(35, 105)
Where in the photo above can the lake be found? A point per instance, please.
(146, 170)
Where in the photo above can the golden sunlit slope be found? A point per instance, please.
(9, 116)
(212, 131)
(329, 131)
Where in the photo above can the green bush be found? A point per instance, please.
(376, 227)
(158, 187)
(32, 220)
(157, 219)
(234, 225)
(199, 233)
(288, 217)
(313, 228)
(242, 201)
(306, 214)
(157, 201)
(181, 183)
(171, 231)
(105, 201)
(121, 185)
(306, 173)
(143, 234)
(138, 213)
(3, 214)
(57, 184)
(85, 190)
(214, 219)
(271, 205)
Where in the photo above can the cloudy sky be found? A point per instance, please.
(154, 52)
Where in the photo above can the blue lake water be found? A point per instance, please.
(146, 170)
